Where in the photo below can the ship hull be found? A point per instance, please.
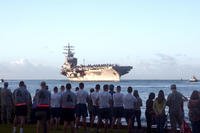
(106, 74)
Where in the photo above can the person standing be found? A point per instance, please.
(34, 108)
(137, 111)
(112, 92)
(175, 104)
(129, 105)
(159, 109)
(43, 98)
(104, 101)
(29, 105)
(89, 105)
(55, 108)
(68, 103)
(62, 89)
(95, 104)
(21, 102)
(194, 111)
(0, 105)
(149, 112)
(6, 104)
(118, 107)
(82, 98)
(76, 107)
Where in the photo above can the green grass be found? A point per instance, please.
(32, 129)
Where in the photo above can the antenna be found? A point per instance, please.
(84, 62)
(68, 50)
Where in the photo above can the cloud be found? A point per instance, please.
(165, 57)
(164, 66)
(161, 66)
(24, 69)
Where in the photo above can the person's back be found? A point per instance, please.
(194, 111)
(118, 107)
(137, 111)
(29, 98)
(82, 96)
(95, 105)
(55, 108)
(29, 103)
(0, 96)
(149, 112)
(90, 104)
(112, 92)
(104, 106)
(6, 103)
(94, 97)
(55, 99)
(68, 99)
(138, 104)
(20, 97)
(62, 90)
(149, 105)
(118, 99)
(43, 98)
(129, 101)
(21, 101)
(175, 103)
(68, 103)
(104, 99)
(159, 109)
(6, 97)
(0, 104)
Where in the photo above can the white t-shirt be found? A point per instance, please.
(61, 92)
(104, 99)
(55, 100)
(94, 96)
(118, 99)
(82, 96)
(129, 100)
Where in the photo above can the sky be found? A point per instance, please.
(160, 39)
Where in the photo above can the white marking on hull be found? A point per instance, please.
(108, 74)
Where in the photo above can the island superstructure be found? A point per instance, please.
(96, 72)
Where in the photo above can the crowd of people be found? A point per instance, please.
(106, 107)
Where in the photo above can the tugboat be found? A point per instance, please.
(193, 79)
(96, 72)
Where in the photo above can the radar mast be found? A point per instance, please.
(68, 51)
(69, 54)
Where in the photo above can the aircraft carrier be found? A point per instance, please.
(96, 72)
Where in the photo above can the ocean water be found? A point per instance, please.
(144, 87)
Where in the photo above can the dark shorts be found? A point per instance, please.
(21, 110)
(76, 109)
(68, 114)
(42, 113)
(81, 110)
(118, 112)
(104, 113)
(95, 110)
(128, 113)
(55, 112)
